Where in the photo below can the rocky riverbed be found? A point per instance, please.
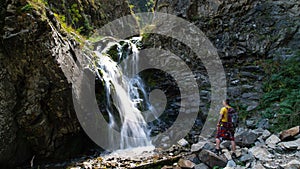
(256, 148)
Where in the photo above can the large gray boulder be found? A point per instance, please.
(246, 138)
(211, 159)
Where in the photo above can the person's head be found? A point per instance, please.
(226, 102)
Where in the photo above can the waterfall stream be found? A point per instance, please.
(125, 93)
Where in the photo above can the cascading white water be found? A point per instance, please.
(122, 93)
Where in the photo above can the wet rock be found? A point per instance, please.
(287, 134)
(272, 141)
(186, 163)
(211, 159)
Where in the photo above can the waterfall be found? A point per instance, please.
(125, 92)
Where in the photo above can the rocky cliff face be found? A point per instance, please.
(242, 28)
(245, 32)
(37, 53)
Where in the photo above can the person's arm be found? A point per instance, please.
(221, 115)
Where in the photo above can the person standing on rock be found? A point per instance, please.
(225, 128)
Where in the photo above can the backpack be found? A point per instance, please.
(233, 117)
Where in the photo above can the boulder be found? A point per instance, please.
(234, 91)
(258, 165)
(183, 163)
(263, 123)
(262, 133)
(251, 106)
(227, 154)
(238, 153)
(251, 96)
(183, 142)
(246, 157)
(294, 164)
(225, 144)
(266, 134)
(198, 146)
(201, 166)
(246, 138)
(271, 165)
(231, 164)
(286, 134)
(291, 145)
(258, 131)
(211, 159)
(202, 145)
(167, 167)
(250, 123)
(297, 154)
(272, 141)
(261, 153)
(193, 158)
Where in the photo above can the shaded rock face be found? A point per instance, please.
(246, 33)
(242, 28)
(37, 116)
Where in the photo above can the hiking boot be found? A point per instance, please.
(218, 152)
(233, 155)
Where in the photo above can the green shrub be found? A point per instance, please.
(27, 8)
(281, 101)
